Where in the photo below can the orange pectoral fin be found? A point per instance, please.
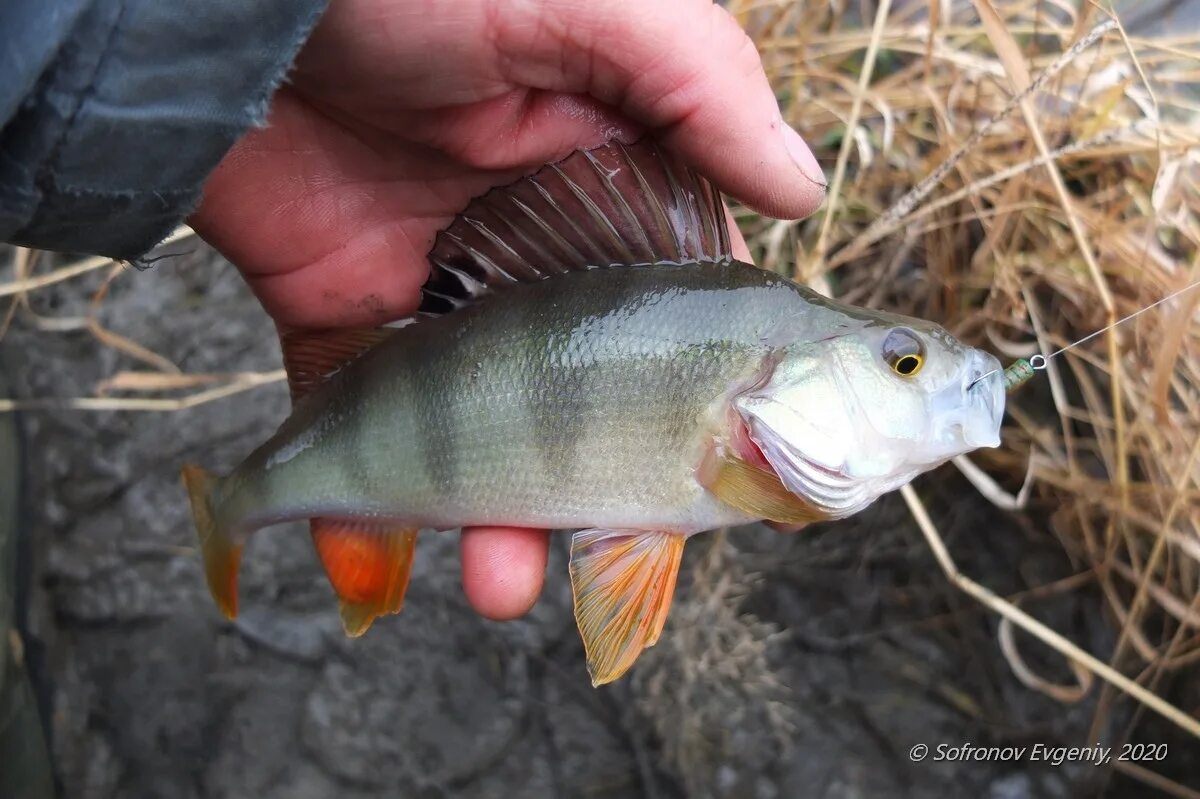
(754, 489)
(368, 566)
(622, 581)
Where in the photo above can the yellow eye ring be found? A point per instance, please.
(903, 352)
(908, 365)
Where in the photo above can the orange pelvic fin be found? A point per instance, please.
(622, 581)
(222, 555)
(312, 356)
(368, 565)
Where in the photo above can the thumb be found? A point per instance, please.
(686, 69)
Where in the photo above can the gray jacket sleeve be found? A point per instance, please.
(113, 112)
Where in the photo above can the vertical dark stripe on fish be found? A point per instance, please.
(561, 421)
(535, 372)
(437, 421)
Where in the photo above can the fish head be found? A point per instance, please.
(860, 413)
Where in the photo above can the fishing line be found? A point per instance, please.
(1022, 370)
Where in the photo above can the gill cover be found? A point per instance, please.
(801, 423)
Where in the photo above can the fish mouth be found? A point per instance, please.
(983, 390)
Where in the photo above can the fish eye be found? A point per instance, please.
(904, 352)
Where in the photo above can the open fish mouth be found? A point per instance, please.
(967, 413)
(984, 390)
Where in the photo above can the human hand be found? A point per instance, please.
(400, 111)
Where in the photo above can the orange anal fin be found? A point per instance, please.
(368, 565)
(221, 553)
(754, 489)
(622, 581)
(311, 356)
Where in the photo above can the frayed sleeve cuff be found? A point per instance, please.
(108, 147)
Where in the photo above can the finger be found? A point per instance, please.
(503, 569)
(683, 67)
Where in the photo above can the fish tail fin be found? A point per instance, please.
(222, 554)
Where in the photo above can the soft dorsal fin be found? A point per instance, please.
(312, 356)
(614, 205)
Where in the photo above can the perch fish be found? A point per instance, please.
(590, 356)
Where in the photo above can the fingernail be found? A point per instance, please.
(803, 156)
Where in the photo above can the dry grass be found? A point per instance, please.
(145, 385)
(1021, 197)
(710, 674)
(1022, 222)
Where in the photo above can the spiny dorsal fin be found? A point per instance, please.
(614, 205)
(312, 356)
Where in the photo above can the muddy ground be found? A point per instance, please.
(794, 666)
